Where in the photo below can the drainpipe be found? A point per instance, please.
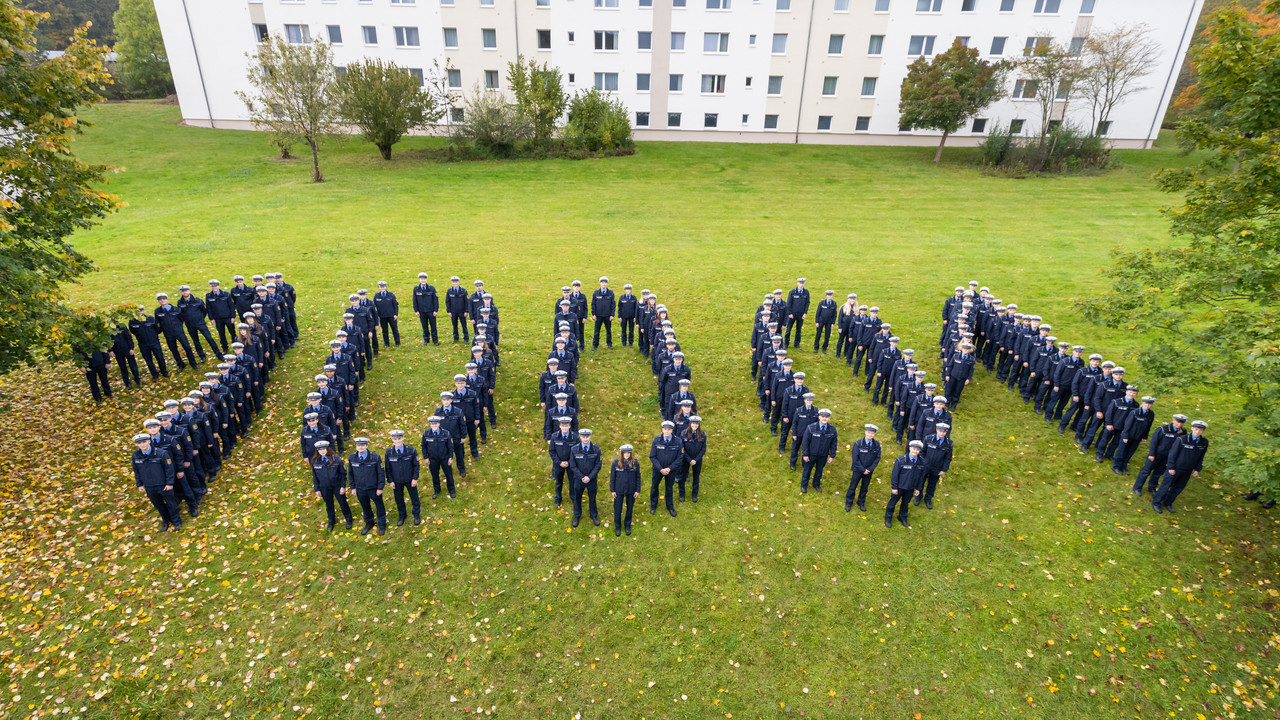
(204, 90)
(804, 71)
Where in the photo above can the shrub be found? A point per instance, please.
(496, 127)
(597, 123)
(1066, 148)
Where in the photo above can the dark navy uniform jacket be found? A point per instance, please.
(192, 309)
(560, 446)
(1163, 440)
(153, 470)
(437, 445)
(790, 398)
(627, 306)
(1137, 425)
(673, 401)
(169, 317)
(1188, 453)
(550, 425)
(425, 299)
(819, 440)
(469, 402)
(548, 396)
(366, 473)
(826, 313)
(884, 364)
(402, 465)
(695, 444)
(937, 453)
(243, 296)
(866, 456)
(311, 435)
(328, 476)
(603, 303)
(666, 453)
(146, 330)
(961, 366)
(386, 304)
(624, 481)
(798, 302)
(584, 462)
(926, 422)
(1117, 413)
(907, 476)
(802, 418)
(1106, 392)
(220, 305)
(455, 300)
(452, 419)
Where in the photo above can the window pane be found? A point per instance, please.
(491, 79)
(544, 39)
(863, 124)
(455, 78)
(968, 5)
(490, 37)
(784, 4)
(642, 119)
(1006, 5)
(1086, 8)
(675, 83)
(829, 85)
(648, 4)
(775, 84)
(335, 34)
(876, 46)
(642, 82)
(979, 125)
(673, 119)
(824, 122)
(451, 37)
(835, 45)
(868, 86)
(779, 43)
(997, 45)
(644, 40)
(882, 5)
(677, 41)
(770, 122)
(544, 3)
(710, 120)
(842, 6)
(370, 34)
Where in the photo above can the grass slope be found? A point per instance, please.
(1037, 587)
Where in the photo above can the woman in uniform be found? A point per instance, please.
(329, 477)
(624, 485)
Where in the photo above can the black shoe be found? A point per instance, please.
(1269, 504)
(904, 523)
(928, 504)
(382, 529)
(596, 521)
(672, 511)
(350, 522)
(164, 526)
(861, 506)
(1097, 458)
(653, 510)
(195, 511)
(628, 531)
(1137, 491)
(804, 491)
(575, 521)
(793, 467)
(559, 502)
(400, 522)
(848, 507)
(1252, 495)
(1118, 471)
(681, 497)
(915, 500)
(888, 524)
(817, 488)
(774, 431)
(462, 475)
(435, 495)
(329, 527)
(367, 528)
(617, 532)
(417, 520)
(1157, 507)
(484, 441)
(452, 494)
(177, 528)
(1170, 509)
(695, 498)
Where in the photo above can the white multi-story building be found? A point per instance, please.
(811, 71)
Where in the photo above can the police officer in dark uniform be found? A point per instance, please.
(824, 318)
(797, 308)
(938, 450)
(388, 307)
(193, 317)
(555, 412)
(581, 308)
(603, 305)
(329, 480)
(221, 307)
(426, 305)
(665, 455)
(584, 470)
(868, 325)
(169, 318)
(1106, 391)
(817, 450)
(866, 457)
(883, 368)
(904, 483)
(146, 330)
(624, 486)
(1186, 460)
(628, 313)
(788, 398)
(1063, 377)
(672, 374)
(1115, 417)
(1137, 427)
(560, 448)
(1162, 441)
(95, 370)
(927, 419)
(312, 433)
(844, 315)
(242, 295)
(402, 473)
(804, 415)
(437, 448)
(1082, 385)
(457, 304)
(469, 401)
(694, 445)
(371, 320)
(673, 401)
(454, 421)
(367, 479)
(153, 472)
(959, 374)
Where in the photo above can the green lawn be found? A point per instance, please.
(1037, 588)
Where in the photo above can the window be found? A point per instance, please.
(784, 5)
(297, 34)
(770, 122)
(370, 34)
(644, 40)
(745, 118)
(451, 38)
(646, 4)
(779, 43)
(456, 115)
(607, 3)
(829, 85)
(339, 71)
(751, 41)
(1047, 7)
(979, 126)
(673, 119)
(416, 74)
(1104, 127)
(675, 83)
(1077, 46)
(868, 86)
(713, 84)
(710, 120)
(842, 6)
(1006, 5)
(606, 39)
(407, 37)
(715, 42)
(677, 41)
(1054, 125)
(642, 119)
(862, 124)
(1064, 90)
(260, 32)
(570, 37)
(489, 38)
(607, 81)
(775, 85)
(824, 122)
(882, 5)
(544, 39)
(642, 82)
(928, 6)
(455, 78)
(1033, 43)
(748, 81)
(544, 3)
(997, 45)
(968, 5)
(443, 3)
(402, 2)
(717, 4)
(486, 3)
(677, 4)
(335, 33)
(876, 45)
(921, 45)
(835, 44)
(570, 78)
(963, 40)
(1025, 89)
(1086, 7)
(490, 79)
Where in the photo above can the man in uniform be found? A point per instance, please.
(1134, 433)
(242, 295)
(388, 311)
(169, 318)
(1063, 377)
(603, 304)
(628, 312)
(1107, 390)
(437, 448)
(866, 457)
(888, 357)
(146, 330)
(824, 318)
(469, 401)
(804, 415)
(1186, 460)
(666, 454)
(797, 308)
(817, 450)
(904, 483)
(557, 412)
(584, 471)
(669, 381)
(122, 350)
(937, 461)
(789, 397)
(426, 305)
(560, 448)
(402, 472)
(673, 402)
(222, 310)
(456, 303)
(1081, 389)
(193, 318)
(1162, 441)
(371, 320)
(1115, 416)
(868, 325)
(928, 419)
(959, 374)
(453, 421)
(368, 480)
(153, 472)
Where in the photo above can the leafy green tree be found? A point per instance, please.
(598, 122)
(1052, 72)
(1210, 305)
(539, 92)
(944, 93)
(66, 16)
(385, 101)
(46, 193)
(293, 94)
(142, 61)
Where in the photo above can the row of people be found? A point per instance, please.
(268, 304)
(1091, 397)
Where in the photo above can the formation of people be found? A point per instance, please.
(914, 410)
(457, 425)
(182, 448)
(1091, 397)
(675, 455)
(265, 308)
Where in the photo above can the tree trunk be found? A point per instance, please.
(938, 155)
(386, 151)
(284, 152)
(315, 162)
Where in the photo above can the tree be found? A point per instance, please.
(293, 94)
(1114, 62)
(385, 101)
(1209, 306)
(945, 93)
(66, 16)
(1054, 70)
(539, 93)
(46, 193)
(598, 121)
(143, 63)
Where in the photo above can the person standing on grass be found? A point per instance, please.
(672, 404)
(693, 443)
(146, 330)
(868, 329)
(1115, 417)
(844, 316)
(624, 487)
(242, 295)
(665, 454)
(603, 304)
(95, 370)
(1063, 377)
(938, 450)
(456, 303)
(672, 374)
(560, 448)
(885, 361)
(153, 473)
(790, 397)
(453, 421)
(222, 310)
(804, 415)
(486, 369)
(584, 470)
(329, 479)
(628, 312)
(644, 322)
(908, 475)
(1134, 433)
(193, 318)
(479, 387)
(402, 472)
(388, 310)
(367, 479)
(778, 383)
(866, 457)
(561, 385)
(1162, 441)
(797, 309)
(426, 305)
(368, 321)
(313, 432)
(824, 318)
(760, 334)
(817, 450)
(169, 318)
(468, 401)
(959, 374)
(1186, 460)
(437, 448)
(1110, 389)
(879, 343)
(581, 307)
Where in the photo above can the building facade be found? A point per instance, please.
(797, 71)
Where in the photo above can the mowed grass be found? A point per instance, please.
(1037, 587)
